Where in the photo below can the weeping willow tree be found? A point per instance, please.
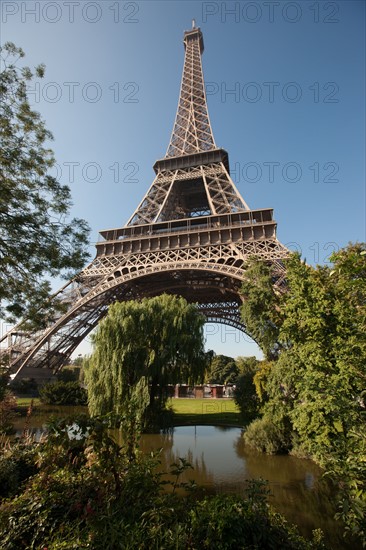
(139, 348)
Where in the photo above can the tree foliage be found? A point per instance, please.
(247, 364)
(36, 240)
(245, 395)
(139, 348)
(67, 493)
(24, 386)
(261, 378)
(222, 370)
(4, 380)
(63, 393)
(260, 310)
(7, 403)
(315, 391)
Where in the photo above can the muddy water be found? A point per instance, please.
(222, 463)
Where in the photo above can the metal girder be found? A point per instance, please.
(178, 194)
(191, 235)
(192, 128)
(52, 347)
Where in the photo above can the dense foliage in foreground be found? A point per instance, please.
(88, 493)
(312, 389)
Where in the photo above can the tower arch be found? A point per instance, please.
(191, 234)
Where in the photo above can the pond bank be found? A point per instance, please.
(186, 411)
(222, 463)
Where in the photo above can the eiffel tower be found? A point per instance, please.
(190, 235)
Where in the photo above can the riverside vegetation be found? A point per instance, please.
(311, 389)
(89, 492)
(80, 489)
(263, 388)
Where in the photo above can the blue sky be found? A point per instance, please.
(286, 88)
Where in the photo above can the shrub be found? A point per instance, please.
(89, 494)
(7, 412)
(245, 395)
(265, 436)
(17, 464)
(25, 386)
(68, 375)
(232, 522)
(63, 393)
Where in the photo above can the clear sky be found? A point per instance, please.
(286, 96)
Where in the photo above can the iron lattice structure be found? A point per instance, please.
(190, 235)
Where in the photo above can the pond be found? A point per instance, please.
(223, 463)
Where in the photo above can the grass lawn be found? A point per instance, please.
(187, 411)
(26, 401)
(205, 411)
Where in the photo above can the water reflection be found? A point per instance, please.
(222, 463)
(41, 416)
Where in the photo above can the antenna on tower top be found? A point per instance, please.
(193, 23)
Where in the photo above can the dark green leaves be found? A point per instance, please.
(315, 391)
(36, 239)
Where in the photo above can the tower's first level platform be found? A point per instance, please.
(251, 225)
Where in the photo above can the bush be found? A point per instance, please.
(89, 494)
(25, 386)
(17, 464)
(4, 380)
(7, 412)
(231, 522)
(63, 393)
(245, 395)
(265, 436)
(69, 375)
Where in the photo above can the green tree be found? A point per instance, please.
(247, 364)
(78, 361)
(324, 329)
(223, 370)
(68, 374)
(4, 380)
(261, 312)
(63, 393)
(7, 403)
(139, 348)
(326, 321)
(36, 240)
(274, 432)
(316, 389)
(260, 379)
(245, 394)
